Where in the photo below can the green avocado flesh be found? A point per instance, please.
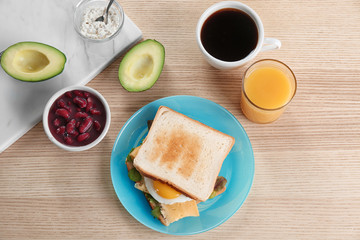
(32, 61)
(142, 66)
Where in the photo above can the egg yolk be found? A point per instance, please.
(165, 190)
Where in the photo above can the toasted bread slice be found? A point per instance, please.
(183, 153)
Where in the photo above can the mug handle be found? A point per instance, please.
(270, 44)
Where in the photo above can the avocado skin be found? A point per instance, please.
(4, 61)
(158, 56)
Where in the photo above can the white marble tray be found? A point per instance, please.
(49, 22)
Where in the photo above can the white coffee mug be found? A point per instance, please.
(263, 44)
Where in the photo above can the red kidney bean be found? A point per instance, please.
(78, 93)
(97, 125)
(62, 112)
(86, 94)
(68, 94)
(85, 125)
(74, 133)
(90, 104)
(94, 111)
(56, 122)
(77, 124)
(81, 102)
(61, 103)
(81, 115)
(83, 137)
(68, 140)
(70, 126)
(60, 130)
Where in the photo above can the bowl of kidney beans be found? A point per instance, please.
(76, 118)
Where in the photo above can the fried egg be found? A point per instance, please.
(163, 193)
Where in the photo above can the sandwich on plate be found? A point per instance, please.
(177, 165)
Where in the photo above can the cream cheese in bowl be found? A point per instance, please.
(84, 20)
(96, 29)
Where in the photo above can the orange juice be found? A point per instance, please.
(268, 86)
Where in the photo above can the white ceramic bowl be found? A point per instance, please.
(84, 4)
(69, 147)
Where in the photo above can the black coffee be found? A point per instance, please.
(229, 34)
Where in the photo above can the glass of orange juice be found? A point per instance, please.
(268, 87)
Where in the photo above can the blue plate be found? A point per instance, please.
(238, 167)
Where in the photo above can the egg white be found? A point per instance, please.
(150, 187)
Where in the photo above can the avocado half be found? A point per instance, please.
(142, 65)
(32, 61)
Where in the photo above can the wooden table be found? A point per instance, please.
(307, 164)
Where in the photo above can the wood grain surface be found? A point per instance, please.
(307, 164)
